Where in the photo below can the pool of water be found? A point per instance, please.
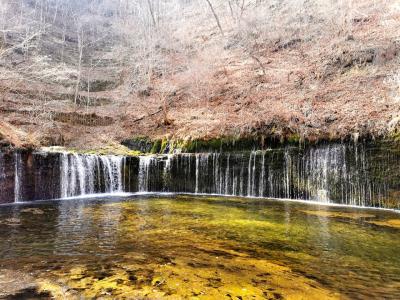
(199, 247)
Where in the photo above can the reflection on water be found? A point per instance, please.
(197, 247)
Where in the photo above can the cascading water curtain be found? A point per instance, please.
(18, 172)
(90, 174)
(339, 173)
(344, 174)
(144, 173)
(2, 168)
(2, 173)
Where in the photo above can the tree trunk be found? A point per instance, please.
(215, 16)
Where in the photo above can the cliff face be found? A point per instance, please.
(27, 177)
(313, 70)
(341, 173)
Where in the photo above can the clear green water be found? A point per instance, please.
(175, 247)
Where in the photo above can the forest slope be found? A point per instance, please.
(91, 73)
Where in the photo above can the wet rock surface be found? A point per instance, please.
(348, 174)
(18, 285)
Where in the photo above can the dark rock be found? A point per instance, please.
(141, 144)
(330, 118)
(98, 85)
(290, 44)
(145, 92)
(39, 176)
(361, 20)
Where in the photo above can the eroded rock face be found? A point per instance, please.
(25, 176)
(4, 143)
(30, 176)
(6, 178)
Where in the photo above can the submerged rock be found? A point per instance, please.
(18, 285)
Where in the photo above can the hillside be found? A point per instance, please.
(87, 74)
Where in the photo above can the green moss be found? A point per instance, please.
(200, 145)
(156, 148)
(140, 138)
(164, 145)
(228, 143)
(294, 138)
(395, 136)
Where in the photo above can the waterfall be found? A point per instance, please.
(197, 173)
(249, 177)
(18, 172)
(144, 173)
(227, 176)
(89, 174)
(216, 168)
(3, 176)
(336, 173)
(261, 188)
(2, 167)
(112, 173)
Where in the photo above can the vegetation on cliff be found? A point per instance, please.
(88, 73)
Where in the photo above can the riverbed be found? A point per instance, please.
(200, 247)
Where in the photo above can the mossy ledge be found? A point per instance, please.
(123, 151)
(166, 145)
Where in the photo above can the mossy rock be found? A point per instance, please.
(223, 144)
(140, 143)
(156, 148)
(233, 144)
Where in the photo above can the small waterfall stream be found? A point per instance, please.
(333, 173)
(144, 173)
(2, 167)
(90, 174)
(18, 177)
(3, 176)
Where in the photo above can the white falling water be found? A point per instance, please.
(326, 173)
(167, 167)
(2, 167)
(325, 166)
(144, 173)
(112, 173)
(227, 175)
(288, 171)
(197, 173)
(90, 174)
(261, 186)
(216, 168)
(312, 174)
(251, 178)
(18, 176)
(2, 175)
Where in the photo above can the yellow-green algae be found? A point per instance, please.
(187, 247)
(335, 214)
(395, 223)
(234, 277)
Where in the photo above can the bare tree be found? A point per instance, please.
(215, 16)
(80, 54)
(151, 10)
